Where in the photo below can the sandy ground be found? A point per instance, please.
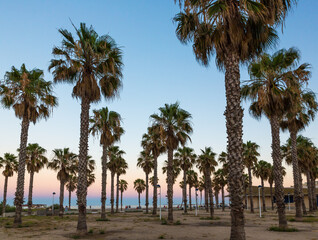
(145, 226)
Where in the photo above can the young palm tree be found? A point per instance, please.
(262, 170)
(139, 186)
(107, 124)
(31, 98)
(220, 177)
(250, 154)
(145, 161)
(35, 161)
(206, 163)
(152, 142)
(268, 89)
(236, 31)
(121, 169)
(192, 180)
(62, 161)
(186, 159)
(174, 127)
(201, 188)
(10, 164)
(93, 64)
(123, 186)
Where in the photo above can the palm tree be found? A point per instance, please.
(246, 184)
(220, 177)
(139, 186)
(206, 163)
(107, 124)
(174, 127)
(236, 31)
(270, 182)
(175, 170)
(216, 187)
(153, 143)
(250, 154)
(90, 170)
(303, 110)
(192, 179)
(186, 159)
(31, 97)
(123, 186)
(10, 164)
(121, 169)
(93, 64)
(71, 185)
(268, 90)
(62, 161)
(145, 161)
(262, 170)
(35, 161)
(115, 157)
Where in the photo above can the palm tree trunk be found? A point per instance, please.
(104, 179)
(223, 202)
(234, 126)
(69, 198)
(155, 183)
(121, 200)
(139, 199)
(117, 193)
(297, 193)
(184, 190)
(250, 189)
(271, 191)
(210, 196)
(4, 202)
(277, 170)
(147, 193)
(19, 193)
(263, 195)
(217, 199)
(61, 198)
(245, 193)
(112, 192)
(206, 193)
(30, 193)
(302, 193)
(170, 185)
(309, 192)
(190, 198)
(82, 167)
(200, 198)
(313, 190)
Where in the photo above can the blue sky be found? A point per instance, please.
(158, 70)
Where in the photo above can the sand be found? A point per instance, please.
(145, 226)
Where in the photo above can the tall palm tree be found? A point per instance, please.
(220, 177)
(192, 180)
(115, 157)
(153, 143)
(216, 187)
(206, 163)
(246, 184)
(236, 31)
(186, 159)
(270, 182)
(262, 170)
(145, 161)
(269, 92)
(35, 161)
(93, 64)
(71, 185)
(62, 161)
(139, 186)
(121, 169)
(303, 110)
(107, 124)
(174, 127)
(10, 164)
(123, 186)
(250, 154)
(175, 170)
(31, 97)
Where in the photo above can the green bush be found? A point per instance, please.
(278, 229)
(8, 208)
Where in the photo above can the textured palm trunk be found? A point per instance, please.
(69, 198)
(147, 193)
(277, 170)
(313, 190)
(19, 193)
(139, 199)
(210, 196)
(302, 193)
(170, 185)
(184, 191)
(263, 195)
(82, 167)
(104, 179)
(30, 193)
(234, 129)
(217, 199)
(297, 192)
(309, 192)
(271, 192)
(155, 183)
(223, 202)
(121, 200)
(245, 193)
(117, 194)
(190, 198)
(4, 202)
(206, 193)
(61, 211)
(112, 192)
(250, 189)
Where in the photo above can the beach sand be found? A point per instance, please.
(144, 226)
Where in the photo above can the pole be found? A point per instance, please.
(259, 201)
(53, 204)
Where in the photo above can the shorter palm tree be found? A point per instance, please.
(121, 169)
(221, 178)
(192, 180)
(10, 164)
(123, 186)
(139, 186)
(71, 185)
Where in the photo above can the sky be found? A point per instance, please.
(158, 69)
